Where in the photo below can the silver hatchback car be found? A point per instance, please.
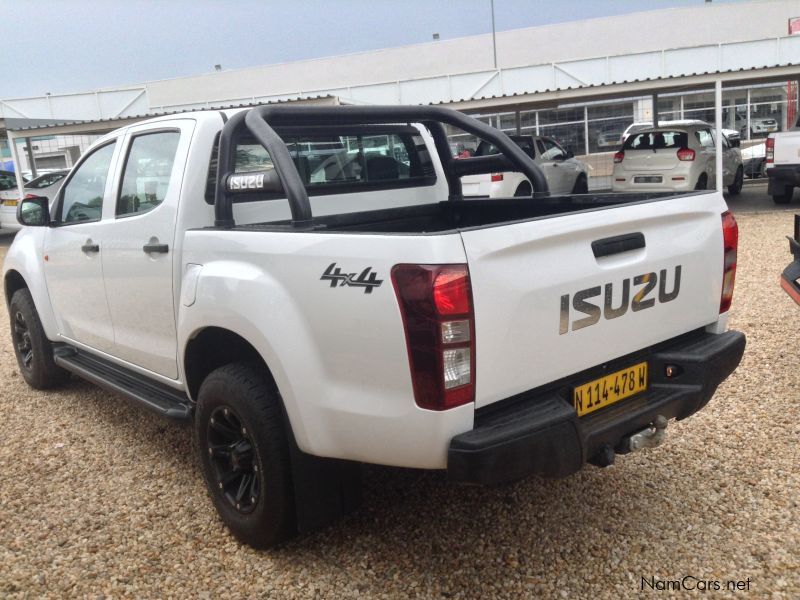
(676, 158)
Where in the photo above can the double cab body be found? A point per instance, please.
(309, 288)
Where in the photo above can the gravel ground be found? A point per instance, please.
(98, 498)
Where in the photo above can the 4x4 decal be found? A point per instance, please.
(367, 279)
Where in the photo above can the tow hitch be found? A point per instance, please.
(649, 437)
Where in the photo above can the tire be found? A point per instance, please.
(785, 197)
(581, 185)
(702, 182)
(523, 190)
(738, 181)
(762, 169)
(33, 350)
(251, 484)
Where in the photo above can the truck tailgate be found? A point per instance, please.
(787, 148)
(547, 307)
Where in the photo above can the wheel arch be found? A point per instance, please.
(12, 283)
(213, 347)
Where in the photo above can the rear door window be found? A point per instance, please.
(656, 140)
(147, 172)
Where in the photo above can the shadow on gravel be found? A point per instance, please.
(414, 525)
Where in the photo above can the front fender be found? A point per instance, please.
(25, 256)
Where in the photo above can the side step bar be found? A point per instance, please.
(161, 399)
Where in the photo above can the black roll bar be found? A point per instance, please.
(260, 121)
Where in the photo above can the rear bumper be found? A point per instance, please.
(540, 434)
(780, 177)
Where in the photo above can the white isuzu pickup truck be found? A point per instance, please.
(783, 164)
(308, 287)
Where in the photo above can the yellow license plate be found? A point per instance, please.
(607, 390)
(9, 202)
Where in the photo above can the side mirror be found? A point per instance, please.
(34, 212)
(734, 142)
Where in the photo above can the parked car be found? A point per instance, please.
(46, 186)
(754, 160)
(565, 174)
(303, 327)
(8, 190)
(675, 158)
(763, 125)
(608, 139)
(783, 164)
(8, 180)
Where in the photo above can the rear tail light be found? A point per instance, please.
(730, 241)
(686, 154)
(497, 177)
(619, 157)
(29, 196)
(436, 305)
(770, 153)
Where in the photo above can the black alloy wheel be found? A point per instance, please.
(22, 341)
(33, 350)
(233, 458)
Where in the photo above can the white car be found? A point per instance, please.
(675, 158)
(565, 174)
(44, 186)
(371, 316)
(754, 160)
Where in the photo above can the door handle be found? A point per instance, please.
(155, 248)
(90, 246)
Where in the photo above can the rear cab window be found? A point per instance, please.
(656, 140)
(340, 163)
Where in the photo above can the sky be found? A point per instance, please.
(62, 46)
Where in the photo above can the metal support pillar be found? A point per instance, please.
(31, 161)
(12, 143)
(748, 114)
(586, 129)
(655, 110)
(718, 132)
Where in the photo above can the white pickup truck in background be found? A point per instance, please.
(309, 288)
(783, 164)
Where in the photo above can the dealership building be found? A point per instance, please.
(581, 82)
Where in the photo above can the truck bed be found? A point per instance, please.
(462, 214)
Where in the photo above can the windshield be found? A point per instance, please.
(656, 140)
